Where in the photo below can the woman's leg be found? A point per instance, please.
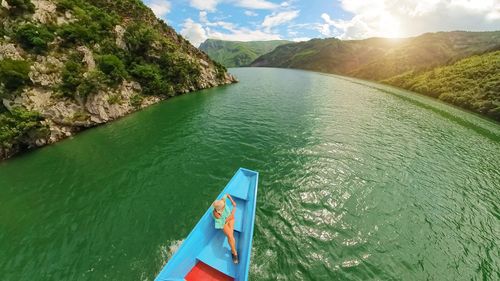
(228, 230)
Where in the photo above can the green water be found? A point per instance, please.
(356, 183)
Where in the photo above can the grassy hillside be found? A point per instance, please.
(235, 54)
(382, 59)
(71, 64)
(472, 83)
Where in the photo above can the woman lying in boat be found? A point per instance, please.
(224, 219)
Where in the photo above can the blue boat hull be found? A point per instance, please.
(208, 247)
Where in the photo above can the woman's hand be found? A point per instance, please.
(231, 199)
(230, 217)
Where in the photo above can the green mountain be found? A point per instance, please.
(235, 53)
(472, 83)
(383, 59)
(66, 65)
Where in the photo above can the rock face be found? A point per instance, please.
(46, 71)
(44, 11)
(64, 113)
(9, 51)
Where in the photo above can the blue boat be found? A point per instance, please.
(205, 254)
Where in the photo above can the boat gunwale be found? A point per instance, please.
(252, 224)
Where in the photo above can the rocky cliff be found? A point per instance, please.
(67, 65)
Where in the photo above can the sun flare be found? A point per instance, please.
(389, 27)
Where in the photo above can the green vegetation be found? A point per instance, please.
(379, 58)
(136, 101)
(91, 83)
(92, 25)
(76, 33)
(150, 58)
(72, 76)
(34, 37)
(115, 99)
(149, 52)
(80, 116)
(425, 64)
(472, 83)
(19, 124)
(179, 70)
(14, 74)
(18, 7)
(221, 70)
(236, 54)
(151, 79)
(139, 38)
(77, 82)
(113, 67)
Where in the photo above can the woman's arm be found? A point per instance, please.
(231, 199)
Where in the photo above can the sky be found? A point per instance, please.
(301, 20)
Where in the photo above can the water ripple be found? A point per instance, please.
(357, 182)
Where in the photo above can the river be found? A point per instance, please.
(358, 181)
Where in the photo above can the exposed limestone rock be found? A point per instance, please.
(44, 11)
(67, 18)
(204, 63)
(88, 57)
(9, 51)
(109, 105)
(57, 131)
(61, 21)
(7, 103)
(36, 99)
(62, 112)
(147, 101)
(65, 115)
(120, 31)
(5, 4)
(46, 71)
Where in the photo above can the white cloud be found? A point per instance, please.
(256, 4)
(251, 13)
(211, 5)
(194, 32)
(208, 5)
(197, 33)
(244, 34)
(203, 16)
(209, 26)
(159, 7)
(403, 18)
(276, 19)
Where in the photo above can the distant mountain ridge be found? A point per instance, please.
(382, 59)
(237, 53)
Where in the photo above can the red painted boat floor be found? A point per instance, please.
(203, 272)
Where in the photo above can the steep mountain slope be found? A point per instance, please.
(381, 59)
(66, 65)
(235, 53)
(472, 83)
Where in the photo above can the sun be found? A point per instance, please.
(389, 27)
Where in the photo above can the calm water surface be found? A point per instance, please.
(358, 182)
